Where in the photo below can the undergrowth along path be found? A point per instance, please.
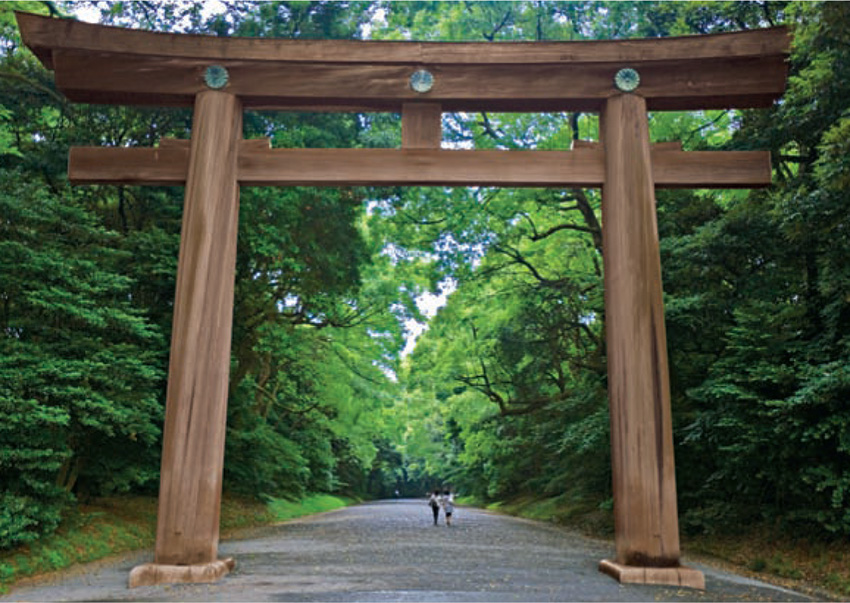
(119, 525)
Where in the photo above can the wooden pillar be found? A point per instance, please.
(644, 480)
(196, 406)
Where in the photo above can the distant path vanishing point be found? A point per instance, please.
(390, 551)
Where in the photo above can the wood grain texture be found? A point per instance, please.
(676, 85)
(671, 576)
(421, 126)
(43, 35)
(420, 167)
(162, 166)
(199, 368)
(260, 166)
(710, 169)
(644, 481)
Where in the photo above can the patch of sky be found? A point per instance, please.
(398, 309)
(588, 319)
(471, 253)
(519, 217)
(428, 304)
(379, 334)
(382, 207)
(398, 254)
(90, 13)
(386, 370)
(458, 136)
(379, 19)
(288, 303)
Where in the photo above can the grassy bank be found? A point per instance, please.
(118, 525)
(585, 517)
(761, 552)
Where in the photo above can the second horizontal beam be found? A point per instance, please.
(579, 168)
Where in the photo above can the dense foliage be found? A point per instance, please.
(87, 281)
(511, 376)
(505, 394)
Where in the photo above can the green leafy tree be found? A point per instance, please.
(78, 380)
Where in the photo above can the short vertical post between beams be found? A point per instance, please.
(421, 125)
(196, 404)
(644, 482)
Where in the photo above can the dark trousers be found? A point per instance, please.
(436, 511)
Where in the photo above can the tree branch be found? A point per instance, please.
(488, 128)
(489, 37)
(589, 218)
(708, 124)
(540, 236)
(517, 257)
(11, 75)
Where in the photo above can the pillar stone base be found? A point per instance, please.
(670, 576)
(151, 574)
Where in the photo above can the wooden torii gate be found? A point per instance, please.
(220, 77)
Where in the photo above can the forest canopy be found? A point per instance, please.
(504, 395)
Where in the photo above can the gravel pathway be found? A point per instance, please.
(390, 551)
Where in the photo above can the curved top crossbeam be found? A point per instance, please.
(99, 64)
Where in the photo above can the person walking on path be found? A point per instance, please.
(434, 502)
(448, 506)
